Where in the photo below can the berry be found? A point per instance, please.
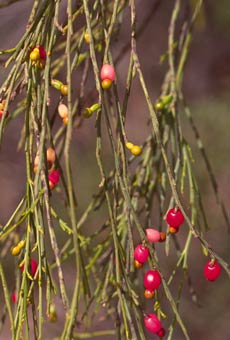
(159, 106)
(161, 333)
(15, 250)
(149, 293)
(33, 267)
(35, 55)
(138, 264)
(152, 235)
(136, 150)
(152, 280)
(65, 120)
(50, 155)
(174, 217)
(14, 297)
(106, 84)
(42, 52)
(162, 237)
(173, 230)
(129, 145)
(64, 90)
(107, 72)
(141, 253)
(152, 323)
(54, 177)
(212, 270)
(63, 110)
(21, 244)
(87, 37)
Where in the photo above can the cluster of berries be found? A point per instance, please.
(54, 174)
(38, 56)
(152, 278)
(107, 76)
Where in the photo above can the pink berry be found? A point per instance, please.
(152, 280)
(152, 235)
(54, 176)
(141, 253)
(107, 72)
(174, 217)
(152, 323)
(212, 270)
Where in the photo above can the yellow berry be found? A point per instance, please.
(87, 37)
(136, 150)
(64, 90)
(63, 110)
(21, 244)
(35, 54)
(106, 84)
(129, 145)
(15, 250)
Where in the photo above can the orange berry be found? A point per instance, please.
(64, 90)
(106, 84)
(138, 264)
(173, 230)
(50, 155)
(51, 185)
(149, 293)
(65, 120)
(162, 237)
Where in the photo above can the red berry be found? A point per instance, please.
(42, 52)
(174, 217)
(54, 176)
(152, 235)
(33, 267)
(107, 72)
(152, 323)
(141, 253)
(14, 297)
(152, 280)
(212, 270)
(161, 333)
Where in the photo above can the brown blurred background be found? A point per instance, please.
(206, 86)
